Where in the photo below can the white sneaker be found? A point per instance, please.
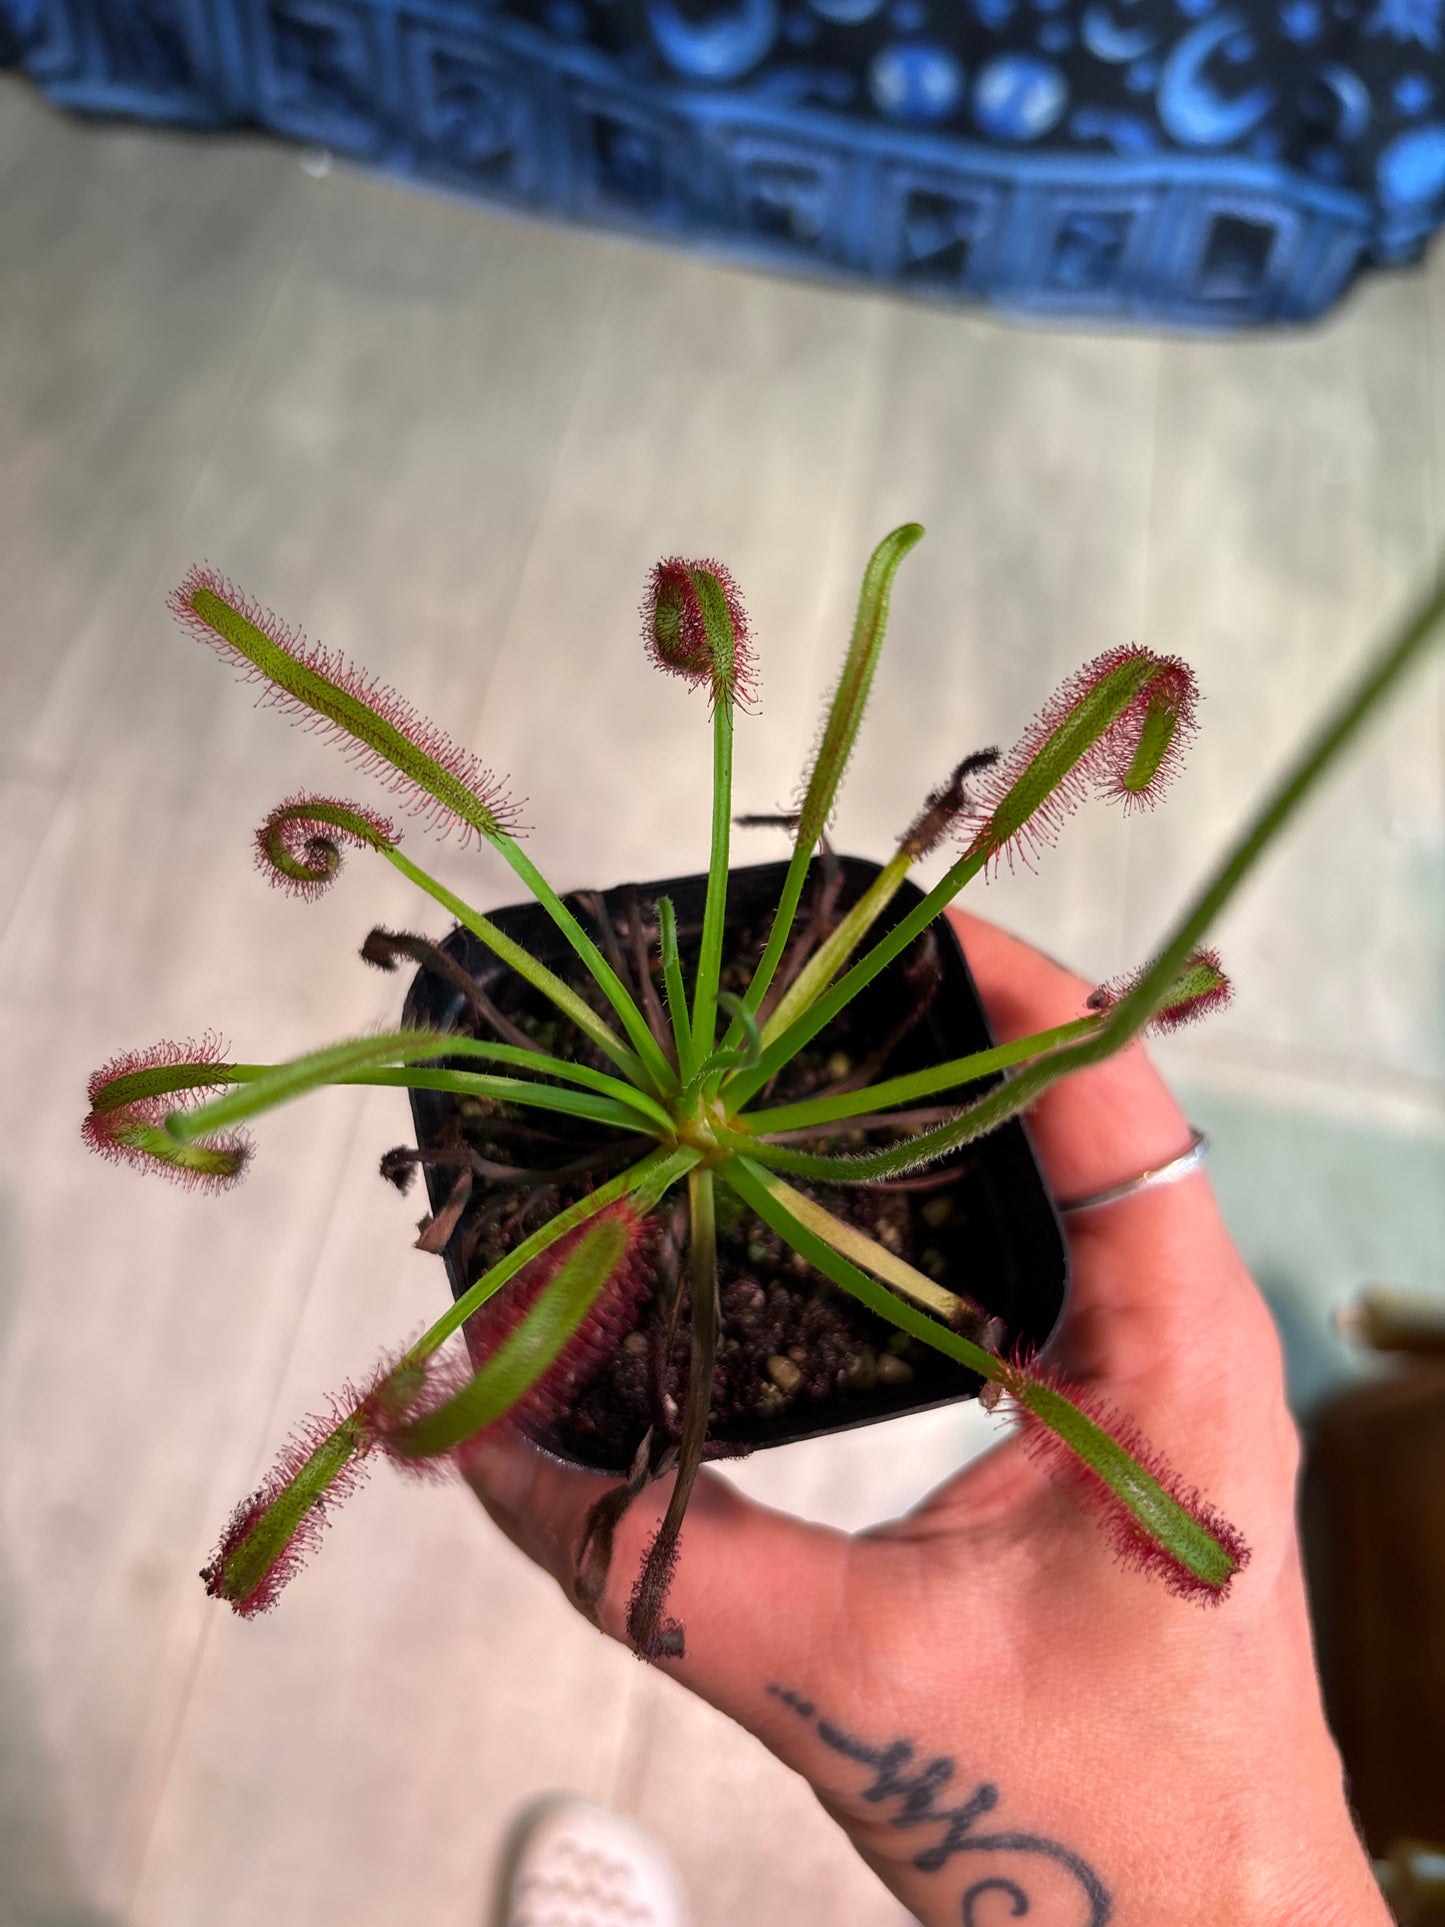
(574, 1864)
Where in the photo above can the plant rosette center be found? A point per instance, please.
(797, 1356)
(698, 1124)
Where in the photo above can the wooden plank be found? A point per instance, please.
(135, 274)
(448, 378)
(390, 451)
(748, 1835)
(26, 807)
(1291, 521)
(548, 1699)
(361, 1753)
(15, 95)
(148, 1329)
(1347, 1090)
(144, 1328)
(719, 418)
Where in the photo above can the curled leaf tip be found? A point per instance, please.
(131, 1097)
(399, 1166)
(1117, 728)
(298, 847)
(381, 733)
(1160, 724)
(1155, 1523)
(945, 807)
(1200, 989)
(695, 626)
(381, 950)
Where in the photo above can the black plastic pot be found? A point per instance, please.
(1003, 1244)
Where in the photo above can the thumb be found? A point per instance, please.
(757, 1593)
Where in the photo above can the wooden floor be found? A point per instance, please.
(451, 444)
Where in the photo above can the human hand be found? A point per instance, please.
(995, 1712)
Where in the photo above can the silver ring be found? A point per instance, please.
(1169, 1173)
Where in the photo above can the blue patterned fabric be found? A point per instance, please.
(1204, 163)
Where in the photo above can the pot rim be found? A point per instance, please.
(1044, 1209)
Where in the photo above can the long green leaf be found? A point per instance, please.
(784, 1048)
(891, 1091)
(1203, 1559)
(1129, 1016)
(527, 1352)
(676, 989)
(840, 733)
(761, 1191)
(659, 1073)
(390, 734)
(256, 1088)
(709, 962)
(644, 1183)
(820, 969)
(527, 967)
(512, 1090)
(851, 1243)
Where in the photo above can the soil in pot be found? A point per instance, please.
(796, 1357)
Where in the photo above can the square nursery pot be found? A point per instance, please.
(983, 1221)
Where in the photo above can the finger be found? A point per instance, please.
(1158, 1297)
(1155, 1278)
(758, 1594)
(1098, 1126)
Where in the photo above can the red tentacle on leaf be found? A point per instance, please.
(674, 628)
(204, 587)
(1131, 758)
(258, 1591)
(1201, 989)
(131, 1097)
(1135, 1547)
(608, 1322)
(273, 1532)
(298, 846)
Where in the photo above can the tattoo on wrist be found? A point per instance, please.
(915, 1791)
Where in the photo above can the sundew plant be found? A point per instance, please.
(689, 1066)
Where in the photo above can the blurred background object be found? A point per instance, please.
(451, 444)
(1373, 1511)
(1389, 1320)
(1412, 1879)
(1176, 161)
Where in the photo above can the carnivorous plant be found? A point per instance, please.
(684, 1088)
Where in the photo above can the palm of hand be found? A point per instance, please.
(984, 1670)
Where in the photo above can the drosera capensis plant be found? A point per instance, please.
(682, 1104)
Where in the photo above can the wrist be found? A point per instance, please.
(1338, 1889)
(1282, 1851)
(1272, 1845)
